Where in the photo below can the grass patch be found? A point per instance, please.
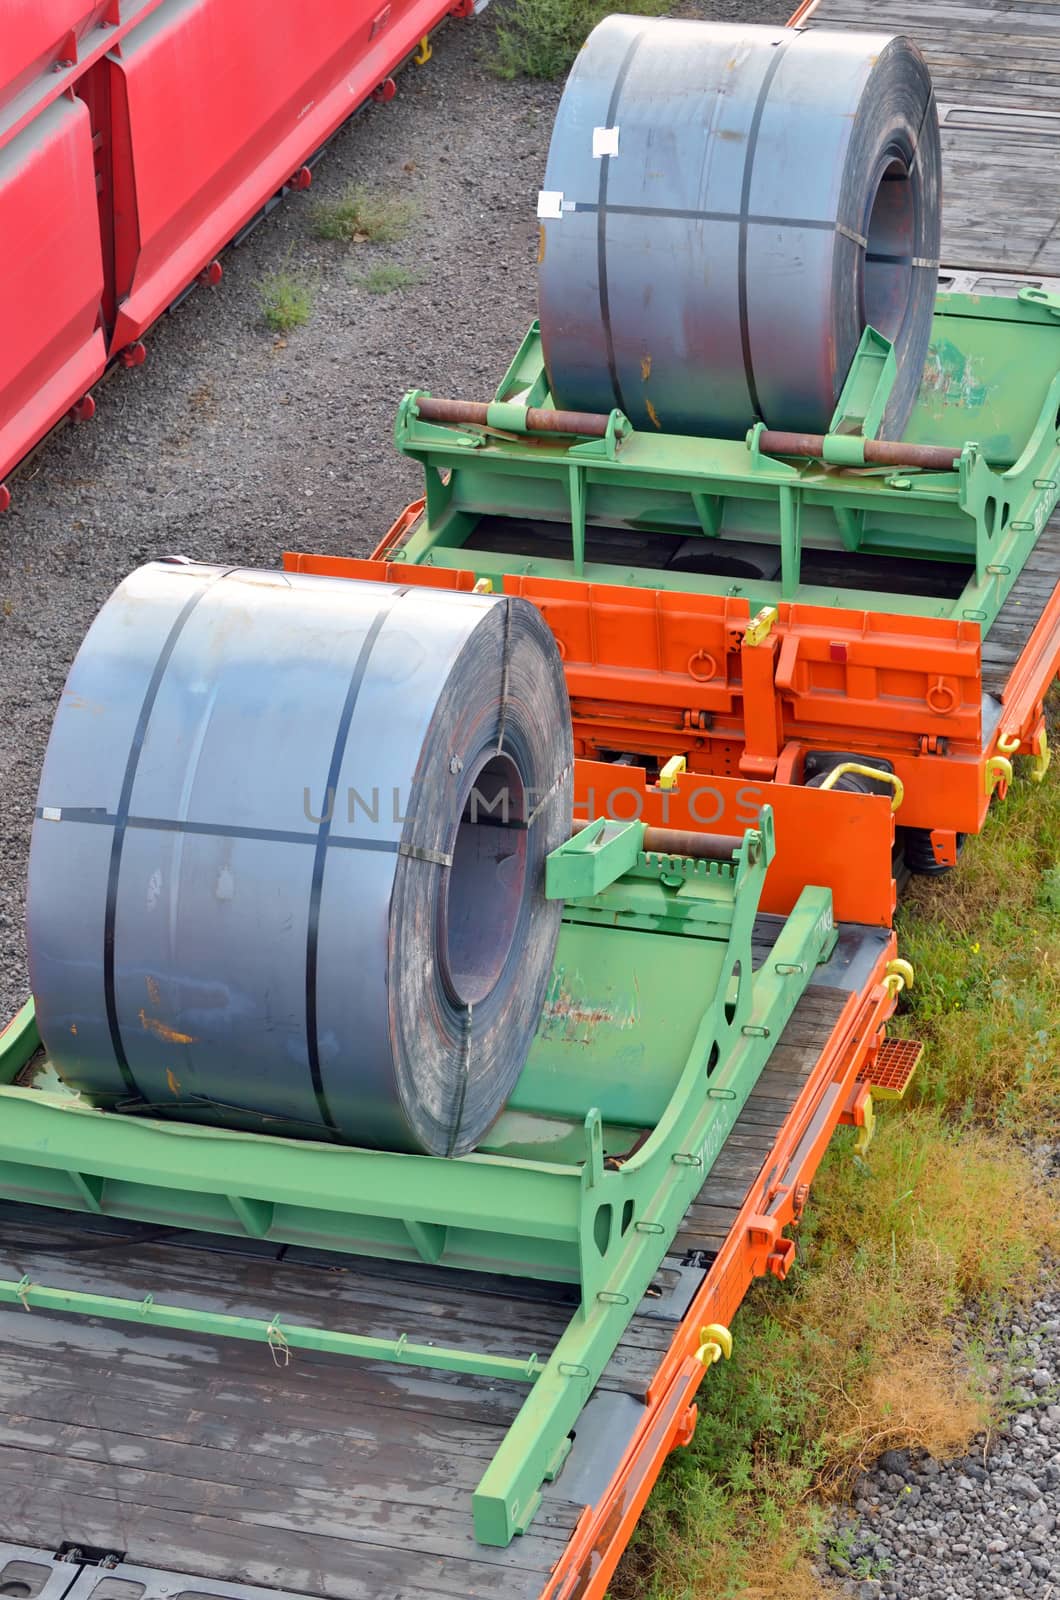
(286, 300)
(854, 1354)
(540, 38)
(986, 945)
(387, 278)
(358, 217)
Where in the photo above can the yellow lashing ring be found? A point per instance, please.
(424, 53)
(867, 1129)
(998, 769)
(1042, 757)
(1009, 743)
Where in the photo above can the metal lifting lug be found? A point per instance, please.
(760, 625)
(1040, 298)
(671, 770)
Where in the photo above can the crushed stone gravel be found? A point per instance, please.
(985, 1526)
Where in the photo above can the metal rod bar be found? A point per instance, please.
(680, 842)
(275, 1333)
(590, 424)
(683, 842)
(878, 452)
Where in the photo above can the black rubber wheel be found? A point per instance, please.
(920, 857)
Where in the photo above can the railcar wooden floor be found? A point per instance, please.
(996, 68)
(210, 1459)
(1018, 617)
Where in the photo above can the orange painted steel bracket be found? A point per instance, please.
(662, 673)
(1021, 730)
(852, 834)
(588, 1561)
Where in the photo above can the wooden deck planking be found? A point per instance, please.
(1000, 190)
(342, 1479)
(1018, 617)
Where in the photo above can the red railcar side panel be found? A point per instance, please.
(34, 36)
(136, 138)
(51, 276)
(225, 99)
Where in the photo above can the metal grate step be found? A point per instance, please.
(890, 1075)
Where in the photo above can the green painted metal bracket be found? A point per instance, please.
(592, 859)
(410, 431)
(602, 1218)
(992, 375)
(19, 1041)
(280, 1337)
(864, 396)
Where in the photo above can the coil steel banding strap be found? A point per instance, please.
(725, 208)
(287, 869)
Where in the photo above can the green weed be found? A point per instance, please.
(385, 279)
(540, 38)
(286, 300)
(358, 216)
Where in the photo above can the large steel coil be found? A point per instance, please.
(287, 869)
(724, 210)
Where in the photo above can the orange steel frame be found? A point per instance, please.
(662, 673)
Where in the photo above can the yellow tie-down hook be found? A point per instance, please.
(715, 1341)
(899, 976)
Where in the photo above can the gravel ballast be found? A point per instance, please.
(987, 1525)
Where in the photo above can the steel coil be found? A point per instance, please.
(287, 868)
(724, 210)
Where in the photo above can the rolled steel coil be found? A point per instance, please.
(724, 210)
(287, 868)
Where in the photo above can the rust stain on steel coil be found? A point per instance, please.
(163, 1031)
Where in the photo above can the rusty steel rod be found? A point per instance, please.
(683, 842)
(686, 842)
(589, 424)
(878, 452)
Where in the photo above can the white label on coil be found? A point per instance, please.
(605, 142)
(51, 813)
(549, 204)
